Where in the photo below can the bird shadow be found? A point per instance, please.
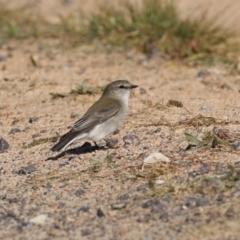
(85, 148)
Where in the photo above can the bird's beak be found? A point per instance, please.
(133, 86)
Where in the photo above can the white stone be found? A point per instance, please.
(159, 181)
(41, 219)
(155, 157)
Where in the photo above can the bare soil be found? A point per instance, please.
(71, 188)
(106, 193)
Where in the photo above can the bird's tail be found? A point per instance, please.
(64, 141)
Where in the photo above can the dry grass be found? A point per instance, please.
(155, 29)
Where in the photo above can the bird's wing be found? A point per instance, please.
(88, 121)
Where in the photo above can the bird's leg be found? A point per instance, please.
(106, 140)
(97, 147)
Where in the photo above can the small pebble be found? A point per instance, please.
(159, 181)
(151, 203)
(205, 108)
(155, 205)
(15, 121)
(124, 197)
(100, 213)
(116, 132)
(14, 130)
(13, 200)
(158, 130)
(84, 209)
(236, 146)
(3, 196)
(144, 218)
(230, 213)
(41, 219)
(155, 157)
(26, 170)
(143, 188)
(79, 192)
(196, 202)
(74, 115)
(2, 58)
(191, 202)
(112, 143)
(117, 206)
(202, 202)
(131, 139)
(33, 119)
(71, 158)
(203, 73)
(86, 232)
(143, 91)
(164, 217)
(3, 145)
(63, 164)
(141, 156)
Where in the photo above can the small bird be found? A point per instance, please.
(102, 118)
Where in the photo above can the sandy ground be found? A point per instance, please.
(81, 194)
(107, 193)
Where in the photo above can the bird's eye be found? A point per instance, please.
(121, 86)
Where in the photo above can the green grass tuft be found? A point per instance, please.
(156, 25)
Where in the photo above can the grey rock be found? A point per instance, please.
(230, 213)
(3, 196)
(2, 58)
(13, 200)
(79, 192)
(131, 139)
(205, 168)
(3, 145)
(164, 217)
(68, 2)
(191, 202)
(14, 130)
(144, 218)
(33, 119)
(15, 121)
(236, 146)
(63, 164)
(116, 132)
(124, 197)
(203, 73)
(158, 130)
(112, 143)
(196, 202)
(86, 232)
(74, 115)
(71, 158)
(167, 199)
(61, 205)
(202, 202)
(143, 188)
(26, 170)
(151, 203)
(100, 213)
(143, 91)
(142, 156)
(84, 209)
